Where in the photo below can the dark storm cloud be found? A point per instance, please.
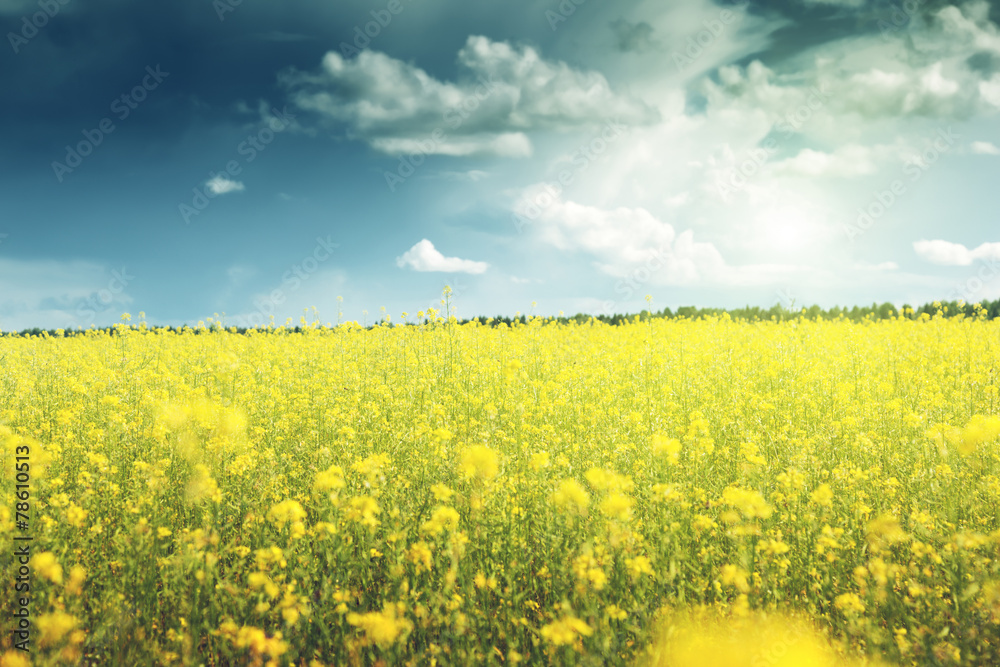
(811, 23)
(633, 36)
(91, 52)
(984, 62)
(88, 55)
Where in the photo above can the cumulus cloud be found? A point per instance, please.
(847, 161)
(984, 148)
(945, 253)
(877, 92)
(624, 239)
(423, 256)
(508, 144)
(221, 185)
(932, 73)
(971, 24)
(501, 93)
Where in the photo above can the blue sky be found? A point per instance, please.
(192, 158)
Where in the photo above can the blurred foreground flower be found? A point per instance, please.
(703, 638)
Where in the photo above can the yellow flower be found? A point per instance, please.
(748, 501)
(615, 612)
(604, 480)
(617, 506)
(46, 565)
(441, 435)
(667, 447)
(885, 531)
(700, 639)
(15, 658)
(589, 570)
(822, 496)
(77, 575)
(565, 630)
(850, 604)
(329, 480)
(479, 462)
(259, 580)
(702, 523)
(382, 628)
(792, 480)
(735, 576)
(829, 541)
(666, 492)
(441, 493)
(979, 430)
(54, 626)
(774, 547)
(363, 510)
(539, 460)
(372, 467)
(202, 486)
(289, 512)
(571, 495)
(270, 556)
(259, 643)
(420, 555)
(286, 511)
(639, 566)
(442, 518)
(75, 515)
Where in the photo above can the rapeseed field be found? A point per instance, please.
(664, 492)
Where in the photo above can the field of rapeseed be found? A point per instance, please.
(668, 492)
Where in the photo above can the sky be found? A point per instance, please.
(238, 159)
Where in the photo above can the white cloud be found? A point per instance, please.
(502, 92)
(990, 90)
(897, 88)
(846, 162)
(843, 118)
(984, 148)
(423, 256)
(866, 77)
(945, 253)
(221, 185)
(508, 144)
(624, 240)
(970, 24)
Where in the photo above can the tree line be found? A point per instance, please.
(778, 312)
